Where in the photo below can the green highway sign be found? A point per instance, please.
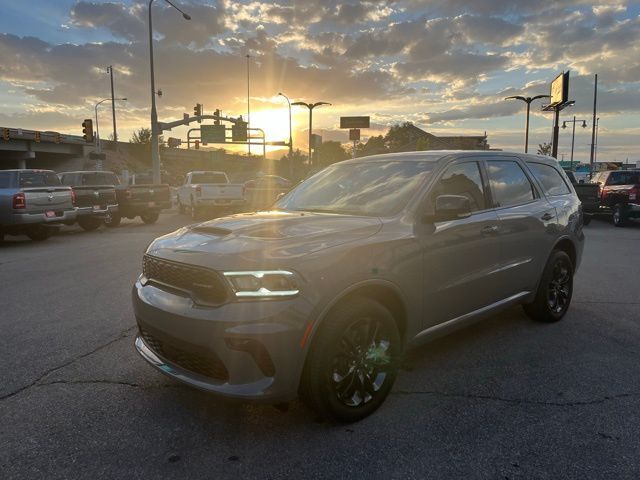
(213, 133)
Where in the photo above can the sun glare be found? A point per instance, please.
(274, 122)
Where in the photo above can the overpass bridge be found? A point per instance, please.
(21, 148)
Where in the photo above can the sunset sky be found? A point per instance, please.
(446, 66)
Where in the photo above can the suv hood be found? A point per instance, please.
(261, 239)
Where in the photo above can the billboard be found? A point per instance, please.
(354, 122)
(560, 89)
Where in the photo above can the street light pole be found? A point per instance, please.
(310, 106)
(528, 101)
(248, 106)
(573, 134)
(98, 144)
(113, 104)
(155, 147)
(595, 150)
(290, 129)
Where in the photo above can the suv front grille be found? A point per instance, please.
(203, 285)
(207, 364)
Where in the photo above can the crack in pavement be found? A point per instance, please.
(515, 401)
(124, 334)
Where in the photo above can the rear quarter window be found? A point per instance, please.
(551, 180)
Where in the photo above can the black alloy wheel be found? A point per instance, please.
(555, 289)
(352, 362)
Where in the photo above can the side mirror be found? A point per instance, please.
(450, 207)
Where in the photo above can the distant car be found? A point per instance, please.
(619, 194)
(209, 191)
(322, 295)
(95, 196)
(263, 191)
(32, 202)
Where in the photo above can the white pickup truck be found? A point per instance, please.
(209, 190)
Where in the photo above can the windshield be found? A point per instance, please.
(99, 178)
(38, 179)
(624, 178)
(366, 188)
(208, 178)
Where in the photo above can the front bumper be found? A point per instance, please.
(254, 348)
(97, 212)
(62, 216)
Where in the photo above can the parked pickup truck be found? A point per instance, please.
(619, 194)
(95, 196)
(263, 192)
(32, 202)
(209, 190)
(589, 195)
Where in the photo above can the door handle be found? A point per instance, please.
(547, 216)
(489, 229)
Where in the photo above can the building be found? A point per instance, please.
(427, 141)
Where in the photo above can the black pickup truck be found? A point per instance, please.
(95, 196)
(589, 195)
(139, 198)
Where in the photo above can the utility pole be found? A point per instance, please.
(113, 104)
(593, 126)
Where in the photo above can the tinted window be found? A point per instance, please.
(5, 179)
(463, 179)
(364, 188)
(38, 179)
(624, 178)
(509, 184)
(551, 180)
(208, 178)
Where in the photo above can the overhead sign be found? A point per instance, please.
(213, 133)
(354, 122)
(560, 89)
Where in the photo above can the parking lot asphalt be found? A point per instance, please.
(505, 398)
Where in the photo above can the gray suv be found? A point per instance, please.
(369, 257)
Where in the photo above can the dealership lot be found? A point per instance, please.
(507, 398)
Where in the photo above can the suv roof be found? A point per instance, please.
(436, 155)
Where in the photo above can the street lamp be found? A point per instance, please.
(97, 127)
(528, 101)
(573, 135)
(310, 106)
(248, 107)
(290, 130)
(595, 150)
(155, 148)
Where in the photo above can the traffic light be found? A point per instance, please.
(87, 130)
(197, 144)
(197, 111)
(6, 134)
(217, 114)
(37, 137)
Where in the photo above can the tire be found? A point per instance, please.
(150, 217)
(352, 362)
(554, 290)
(619, 216)
(112, 220)
(586, 219)
(89, 224)
(39, 233)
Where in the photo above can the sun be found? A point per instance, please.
(274, 122)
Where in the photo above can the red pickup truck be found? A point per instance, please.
(619, 194)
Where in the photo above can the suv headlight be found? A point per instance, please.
(263, 283)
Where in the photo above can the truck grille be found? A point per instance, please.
(207, 364)
(203, 285)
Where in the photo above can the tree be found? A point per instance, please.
(401, 137)
(544, 148)
(423, 143)
(141, 136)
(331, 152)
(374, 146)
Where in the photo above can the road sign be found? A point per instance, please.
(213, 133)
(560, 89)
(316, 141)
(239, 131)
(354, 122)
(354, 134)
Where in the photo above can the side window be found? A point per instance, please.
(509, 184)
(550, 178)
(462, 179)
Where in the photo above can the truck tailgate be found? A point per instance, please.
(90, 196)
(43, 199)
(222, 191)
